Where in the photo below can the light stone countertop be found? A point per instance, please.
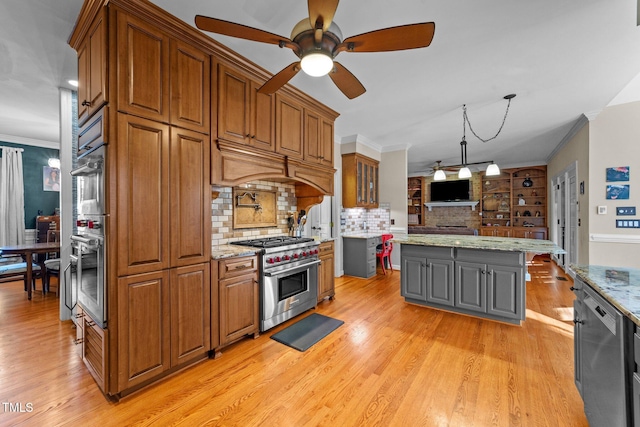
(364, 234)
(229, 251)
(618, 285)
(508, 244)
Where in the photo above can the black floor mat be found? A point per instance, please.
(308, 331)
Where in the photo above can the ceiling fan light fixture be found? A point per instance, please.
(492, 170)
(464, 173)
(439, 175)
(316, 64)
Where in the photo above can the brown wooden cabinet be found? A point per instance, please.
(190, 312)
(514, 204)
(359, 181)
(92, 69)
(318, 138)
(163, 322)
(163, 205)
(190, 86)
(142, 159)
(289, 126)
(143, 68)
(415, 200)
(238, 298)
(144, 341)
(326, 272)
(189, 198)
(244, 115)
(92, 341)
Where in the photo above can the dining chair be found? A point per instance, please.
(383, 251)
(52, 264)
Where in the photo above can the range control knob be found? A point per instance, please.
(95, 225)
(82, 223)
(270, 261)
(304, 253)
(286, 257)
(277, 259)
(296, 256)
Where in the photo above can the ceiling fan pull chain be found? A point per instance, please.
(504, 119)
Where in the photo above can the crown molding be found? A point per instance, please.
(29, 141)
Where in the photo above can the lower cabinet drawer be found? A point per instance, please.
(371, 268)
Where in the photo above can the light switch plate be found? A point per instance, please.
(602, 210)
(627, 223)
(626, 210)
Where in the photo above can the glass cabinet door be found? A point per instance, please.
(359, 181)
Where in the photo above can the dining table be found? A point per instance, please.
(27, 250)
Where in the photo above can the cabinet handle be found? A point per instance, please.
(91, 323)
(577, 321)
(248, 135)
(483, 272)
(239, 267)
(253, 137)
(573, 288)
(86, 103)
(79, 315)
(78, 341)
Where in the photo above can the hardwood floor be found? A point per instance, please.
(390, 364)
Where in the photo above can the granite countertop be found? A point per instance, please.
(508, 244)
(618, 285)
(228, 251)
(365, 234)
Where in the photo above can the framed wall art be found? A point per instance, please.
(620, 173)
(617, 192)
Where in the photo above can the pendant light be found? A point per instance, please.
(439, 174)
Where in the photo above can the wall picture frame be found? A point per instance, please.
(619, 173)
(618, 192)
(50, 178)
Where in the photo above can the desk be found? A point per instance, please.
(26, 250)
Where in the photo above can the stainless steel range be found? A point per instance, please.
(289, 277)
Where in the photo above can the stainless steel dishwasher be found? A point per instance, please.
(605, 376)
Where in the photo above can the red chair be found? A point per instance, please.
(383, 251)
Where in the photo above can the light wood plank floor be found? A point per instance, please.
(390, 364)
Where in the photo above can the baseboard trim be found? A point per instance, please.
(615, 238)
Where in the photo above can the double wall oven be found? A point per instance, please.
(87, 269)
(288, 278)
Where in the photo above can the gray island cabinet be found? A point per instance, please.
(360, 254)
(474, 275)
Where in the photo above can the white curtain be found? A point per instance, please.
(11, 197)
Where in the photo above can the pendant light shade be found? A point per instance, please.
(464, 173)
(493, 170)
(439, 175)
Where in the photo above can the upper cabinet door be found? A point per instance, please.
(92, 70)
(326, 143)
(190, 87)
(233, 105)
(262, 119)
(289, 127)
(143, 69)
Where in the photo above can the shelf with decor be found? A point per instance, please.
(415, 200)
(514, 204)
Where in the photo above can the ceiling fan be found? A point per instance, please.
(317, 40)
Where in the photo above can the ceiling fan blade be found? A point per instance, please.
(322, 12)
(346, 82)
(280, 79)
(403, 37)
(232, 29)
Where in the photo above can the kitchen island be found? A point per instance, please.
(474, 275)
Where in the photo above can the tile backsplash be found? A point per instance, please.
(353, 220)
(222, 231)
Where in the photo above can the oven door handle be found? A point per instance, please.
(292, 270)
(85, 240)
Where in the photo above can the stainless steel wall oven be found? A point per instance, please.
(88, 272)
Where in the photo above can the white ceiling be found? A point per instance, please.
(563, 58)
